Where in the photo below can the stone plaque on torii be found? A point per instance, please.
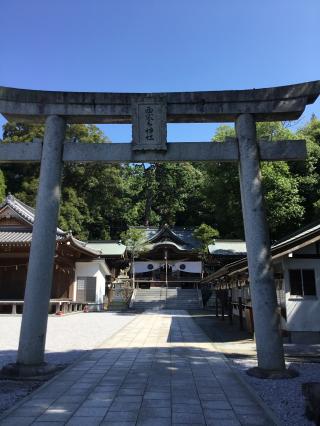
(149, 114)
(149, 125)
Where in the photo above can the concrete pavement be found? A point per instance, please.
(160, 369)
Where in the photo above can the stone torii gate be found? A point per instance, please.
(149, 114)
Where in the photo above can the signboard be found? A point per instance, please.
(149, 125)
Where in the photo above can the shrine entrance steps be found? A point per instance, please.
(158, 298)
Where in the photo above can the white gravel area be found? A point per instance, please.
(284, 397)
(67, 336)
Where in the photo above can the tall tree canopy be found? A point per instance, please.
(284, 204)
(102, 201)
(90, 193)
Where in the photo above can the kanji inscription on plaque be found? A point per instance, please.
(149, 125)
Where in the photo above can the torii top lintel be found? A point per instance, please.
(269, 104)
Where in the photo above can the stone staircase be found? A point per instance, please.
(178, 298)
(157, 298)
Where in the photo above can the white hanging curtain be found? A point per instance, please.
(141, 267)
(190, 267)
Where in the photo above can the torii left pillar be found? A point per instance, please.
(30, 360)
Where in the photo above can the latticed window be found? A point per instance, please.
(302, 282)
(86, 289)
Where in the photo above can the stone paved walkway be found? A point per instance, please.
(158, 370)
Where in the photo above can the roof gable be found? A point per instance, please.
(19, 214)
(16, 224)
(181, 238)
(11, 220)
(166, 234)
(13, 206)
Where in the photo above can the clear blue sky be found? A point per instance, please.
(159, 45)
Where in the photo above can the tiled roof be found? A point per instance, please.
(298, 235)
(83, 246)
(15, 237)
(182, 237)
(292, 242)
(27, 213)
(10, 237)
(228, 247)
(108, 248)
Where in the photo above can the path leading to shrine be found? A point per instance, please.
(160, 369)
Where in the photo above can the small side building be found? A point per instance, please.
(296, 265)
(114, 254)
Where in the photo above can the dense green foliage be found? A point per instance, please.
(2, 186)
(206, 235)
(135, 240)
(101, 201)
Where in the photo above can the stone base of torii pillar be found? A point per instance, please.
(43, 371)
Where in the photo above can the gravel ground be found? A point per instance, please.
(68, 337)
(284, 397)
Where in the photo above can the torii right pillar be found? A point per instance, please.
(266, 318)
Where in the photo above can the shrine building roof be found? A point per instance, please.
(16, 224)
(108, 248)
(179, 237)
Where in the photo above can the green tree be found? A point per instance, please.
(74, 213)
(2, 186)
(308, 172)
(284, 204)
(283, 201)
(91, 193)
(28, 190)
(101, 201)
(135, 240)
(163, 193)
(222, 192)
(175, 187)
(206, 235)
(138, 195)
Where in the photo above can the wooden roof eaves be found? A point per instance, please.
(276, 252)
(77, 246)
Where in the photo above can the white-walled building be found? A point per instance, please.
(91, 283)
